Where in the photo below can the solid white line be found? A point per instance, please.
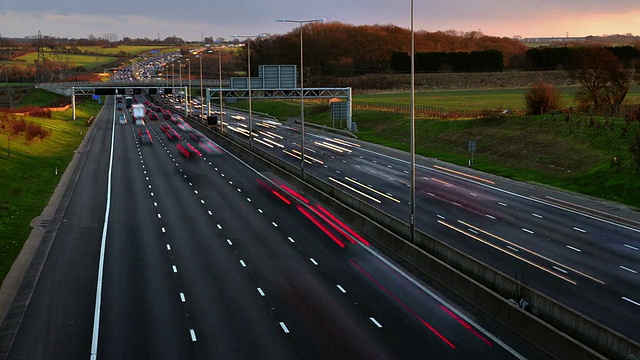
(527, 230)
(193, 335)
(631, 301)
(168, 247)
(260, 292)
(574, 249)
(229, 242)
(313, 261)
(443, 302)
(341, 289)
(290, 239)
(103, 246)
(559, 269)
(629, 270)
(375, 322)
(631, 247)
(284, 327)
(182, 297)
(242, 263)
(578, 229)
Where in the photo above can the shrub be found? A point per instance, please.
(542, 98)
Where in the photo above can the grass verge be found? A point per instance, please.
(28, 175)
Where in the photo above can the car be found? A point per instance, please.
(122, 119)
(209, 147)
(166, 114)
(152, 116)
(188, 150)
(145, 136)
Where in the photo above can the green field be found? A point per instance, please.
(28, 178)
(131, 49)
(89, 62)
(480, 99)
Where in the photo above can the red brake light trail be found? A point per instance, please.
(294, 193)
(465, 324)
(320, 226)
(403, 305)
(344, 226)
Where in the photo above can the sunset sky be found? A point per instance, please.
(192, 19)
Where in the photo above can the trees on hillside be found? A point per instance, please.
(604, 82)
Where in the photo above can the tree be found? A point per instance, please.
(542, 98)
(604, 82)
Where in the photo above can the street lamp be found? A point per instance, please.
(220, 86)
(302, 22)
(173, 76)
(201, 94)
(412, 219)
(249, 37)
(189, 91)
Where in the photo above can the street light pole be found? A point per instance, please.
(412, 218)
(220, 87)
(301, 23)
(249, 37)
(201, 92)
(189, 91)
(173, 76)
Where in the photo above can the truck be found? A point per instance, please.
(138, 114)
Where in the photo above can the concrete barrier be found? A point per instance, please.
(551, 326)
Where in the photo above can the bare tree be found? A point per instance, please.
(604, 81)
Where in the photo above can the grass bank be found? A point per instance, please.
(28, 175)
(573, 153)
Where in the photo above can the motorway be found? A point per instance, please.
(158, 256)
(581, 252)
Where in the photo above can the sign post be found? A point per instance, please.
(472, 149)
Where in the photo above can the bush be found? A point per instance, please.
(542, 98)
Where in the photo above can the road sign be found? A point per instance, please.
(95, 97)
(472, 146)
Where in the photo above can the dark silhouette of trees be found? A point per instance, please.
(604, 82)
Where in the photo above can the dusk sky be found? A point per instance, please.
(192, 19)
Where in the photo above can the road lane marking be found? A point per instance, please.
(174, 268)
(210, 213)
(260, 292)
(242, 263)
(313, 261)
(260, 211)
(229, 242)
(501, 203)
(578, 229)
(512, 248)
(527, 231)
(164, 230)
(274, 224)
(629, 270)
(219, 226)
(202, 201)
(103, 248)
(290, 239)
(631, 247)
(284, 327)
(249, 199)
(342, 290)
(168, 247)
(631, 301)
(559, 269)
(574, 249)
(152, 194)
(373, 320)
(193, 335)
(182, 297)
(195, 191)
(490, 217)
(159, 216)
(536, 215)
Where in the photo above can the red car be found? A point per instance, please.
(153, 116)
